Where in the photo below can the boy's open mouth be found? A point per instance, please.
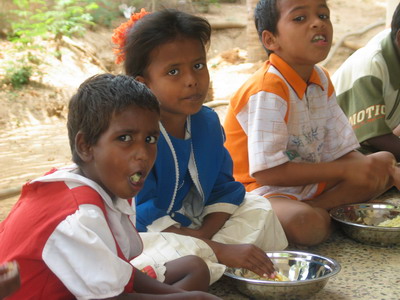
(318, 38)
(135, 178)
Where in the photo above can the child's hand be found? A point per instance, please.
(192, 232)
(372, 171)
(395, 173)
(185, 231)
(9, 279)
(212, 223)
(246, 256)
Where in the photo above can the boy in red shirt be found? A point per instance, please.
(72, 231)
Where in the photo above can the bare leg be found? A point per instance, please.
(189, 273)
(303, 224)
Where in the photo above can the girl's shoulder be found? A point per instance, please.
(206, 113)
(206, 125)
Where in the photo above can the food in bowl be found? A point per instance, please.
(252, 275)
(391, 222)
(369, 223)
(308, 273)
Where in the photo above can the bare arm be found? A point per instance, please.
(388, 142)
(212, 223)
(353, 167)
(296, 174)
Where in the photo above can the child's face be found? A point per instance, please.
(178, 76)
(124, 154)
(304, 32)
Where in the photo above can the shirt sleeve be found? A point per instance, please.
(263, 120)
(365, 107)
(339, 138)
(82, 253)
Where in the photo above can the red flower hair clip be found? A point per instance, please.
(119, 36)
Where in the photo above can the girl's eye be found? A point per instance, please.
(151, 139)
(299, 19)
(173, 72)
(125, 138)
(324, 17)
(199, 66)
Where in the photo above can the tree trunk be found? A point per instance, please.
(255, 50)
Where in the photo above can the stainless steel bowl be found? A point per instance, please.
(308, 274)
(360, 222)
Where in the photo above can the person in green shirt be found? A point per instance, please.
(367, 86)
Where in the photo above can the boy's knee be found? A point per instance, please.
(195, 261)
(200, 271)
(309, 227)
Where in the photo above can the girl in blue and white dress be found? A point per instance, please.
(190, 195)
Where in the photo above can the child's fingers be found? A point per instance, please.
(395, 174)
(263, 266)
(9, 269)
(9, 279)
(263, 271)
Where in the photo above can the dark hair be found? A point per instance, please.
(159, 28)
(395, 22)
(97, 99)
(266, 17)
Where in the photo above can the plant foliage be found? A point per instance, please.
(50, 19)
(19, 77)
(19, 72)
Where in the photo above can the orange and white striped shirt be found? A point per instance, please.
(276, 117)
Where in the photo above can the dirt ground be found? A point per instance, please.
(33, 137)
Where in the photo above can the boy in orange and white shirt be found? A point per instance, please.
(288, 138)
